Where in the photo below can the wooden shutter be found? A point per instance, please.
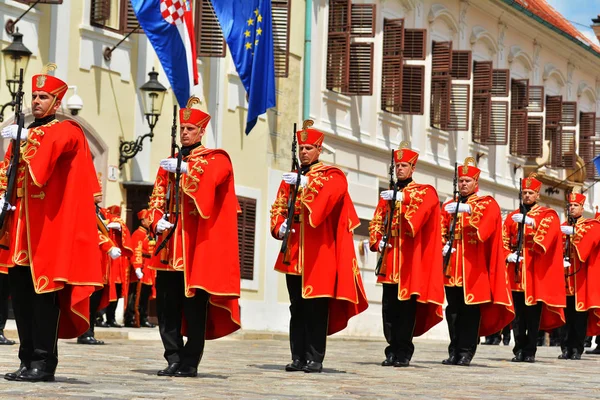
(413, 88)
(441, 55)
(414, 44)
(563, 149)
(100, 12)
(499, 123)
(246, 236)
(338, 46)
(587, 124)
(536, 99)
(361, 69)
(461, 64)
(391, 73)
(533, 139)
(209, 36)
(553, 115)
(522, 133)
(280, 10)
(459, 107)
(129, 21)
(569, 113)
(500, 82)
(440, 102)
(482, 112)
(362, 22)
(588, 142)
(519, 94)
(518, 132)
(482, 77)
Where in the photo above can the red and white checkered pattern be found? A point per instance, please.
(172, 11)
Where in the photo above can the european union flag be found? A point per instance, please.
(247, 28)
(597, 164)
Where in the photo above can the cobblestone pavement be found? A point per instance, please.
(253, 369)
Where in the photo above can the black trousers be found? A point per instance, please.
(112, 306)
(95, 299)
(172, 306)
(399, 318)
(308, 323)
(4, 292)
(573, 331)
(463, 323)
(145, 292)
(37, 318)
(526, 325)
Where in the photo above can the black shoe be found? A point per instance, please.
(4, 340)
(12, 376)
(576, 355)
(130, 324)
(595, 351)
(496, 341)
(100, 323)
(147, 324)
(402, 362)
(587, 342)
(169, 371)
(506, 341)
(518, 357)
(488, 341)
(113, 324)
(295, 365)
(312, 366)
(452, 360)
(186, 372)
(564, 356)
(35, 375)
(88, 340)
(464, 361)
(389, 361)
(529, 359)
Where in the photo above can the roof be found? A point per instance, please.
(543, 10)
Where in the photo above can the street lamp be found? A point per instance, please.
(153, 95)
(16, 56)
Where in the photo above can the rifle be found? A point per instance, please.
(389, 218)
(567, 248)
(450, 242)
(14, 162)
(100, 222)
(291, 205)
(520, 234)
(166, 236)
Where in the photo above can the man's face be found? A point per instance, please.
(530, 196)
(576, 210)
(404, 170)
(466, 185)
(309, 153)
(42, 104)
(190, 134)
(98, 198)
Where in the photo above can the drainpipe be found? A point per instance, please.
(307, 52)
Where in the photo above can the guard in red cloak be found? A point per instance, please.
(52, 257)
(413, 282)
(322, 273)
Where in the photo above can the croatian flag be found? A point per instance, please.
(169, 26)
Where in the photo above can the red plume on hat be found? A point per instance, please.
(469, 170)
(194, 116)
(48, 83)
(405, 154)
(531, 183)
(309, 135)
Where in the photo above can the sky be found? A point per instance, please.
(580, 11)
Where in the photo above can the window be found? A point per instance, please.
(523, 135)
(391, 74)
(569, 113)
(209, 36)
(589, 141)
(414, 44)
(413, 88)
(536, 99)
(441, 55)
(122, 19)
(281, 36)
(246, 236)
(553, 115)
(482, 104)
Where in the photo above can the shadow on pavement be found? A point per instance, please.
(70, 381)
(152, 372)
(278, 367)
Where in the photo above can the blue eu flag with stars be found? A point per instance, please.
(247, 28)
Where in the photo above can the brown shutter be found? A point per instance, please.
(553, 115)
(459, 107)
(587, 124)
(533, 142)
(519, 94)
(518, 132)
(569, 113)
(482, 112)
(362, 20)
(100, 12)
(536, 99)
(499, 123)
(209, 36)
(391, 73)
(246, 236)
(482, 77)
(414, 44)
(440, 102)
(500, 82)
(562, 148)
(588, 141)
(361, 69)
(441, 55)
(413, 88)
(522, 133)
(461, 64)
(128, 21)
(280, 10)
(338, 46)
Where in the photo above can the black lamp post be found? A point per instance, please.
(153, 94)
(16, 56)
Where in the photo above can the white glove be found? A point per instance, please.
(282, 230)
(380, 246)
(114, 253)
(139, 273)
(10, 207)
(163, 225)
(451, 208)
(513, 257)
(291, 177)
(388, 194)
(518, 218)
(170, 165)
(10, 132)
(566, 264)
(567, 229)
(445, 250)
(114, 225)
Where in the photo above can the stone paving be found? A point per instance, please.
(246, 368)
